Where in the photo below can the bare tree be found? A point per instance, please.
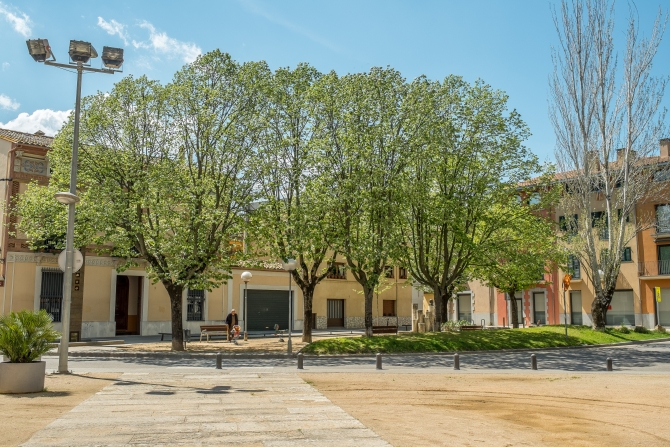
(608, 121)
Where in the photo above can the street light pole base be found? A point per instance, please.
(245, 337)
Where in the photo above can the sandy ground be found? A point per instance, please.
(21, 415)
(505, 410)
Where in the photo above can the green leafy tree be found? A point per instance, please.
(368, 128)
(293, 219)
(523, 251)
(466, 161)
(174, 168)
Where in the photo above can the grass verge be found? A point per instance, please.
(538, 337)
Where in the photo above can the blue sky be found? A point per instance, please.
(505, 43)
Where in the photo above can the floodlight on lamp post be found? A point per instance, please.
(246, 277)
(80, 53)
(289, 266)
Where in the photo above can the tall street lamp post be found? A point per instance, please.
(80, 53)
(246, 277)
(289, 266)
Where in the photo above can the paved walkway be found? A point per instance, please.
(207, 408)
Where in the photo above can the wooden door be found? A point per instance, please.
(335, 313)
(121, 314)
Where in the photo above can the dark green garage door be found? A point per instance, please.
(267, 308)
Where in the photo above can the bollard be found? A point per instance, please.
(609, 364)
(218, 360)
(457, 362)
(300, 360)
(379, 361)
(533, 362)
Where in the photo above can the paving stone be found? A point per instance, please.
(232, 408)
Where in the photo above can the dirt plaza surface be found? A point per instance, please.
(575, 409)
(21, 415)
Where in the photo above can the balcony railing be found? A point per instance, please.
(653, 268)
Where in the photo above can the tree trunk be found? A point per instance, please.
(599, 312)
(308, 296)
(369, 295)
(439, 308)
(514, 308)
(175, 292)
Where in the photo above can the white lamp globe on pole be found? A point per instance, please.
(289, 266)
(246, 277)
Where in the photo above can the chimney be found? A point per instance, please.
(620, 154)
(665, 147)
(39, 133)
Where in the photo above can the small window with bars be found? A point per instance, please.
(402, 273)
(388, 271)
(195, 303)
(627, 255)
(51, 293)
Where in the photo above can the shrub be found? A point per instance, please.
(623, 329)
(660, 329)
(26, 335)
(641, 329)
(453, 326)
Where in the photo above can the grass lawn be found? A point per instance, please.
(537, 337)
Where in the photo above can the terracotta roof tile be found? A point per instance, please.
(26, 138)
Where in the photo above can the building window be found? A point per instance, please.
(621, 310)
(402, 273)
(389, 308)
(663, 218)
(618, 213)
(599, 220)
(51, 293)
(664, 260)
(534, 198)
(388, 271)
(195, 303)
(626, 256)
(574, 267)
(337, 270)
(464, 307)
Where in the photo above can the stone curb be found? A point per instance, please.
(212, 355)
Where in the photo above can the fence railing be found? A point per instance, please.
(653, 268)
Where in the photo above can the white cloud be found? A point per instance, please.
(162, 43)
(5, 66)
(8, 103)
(20, 21)
(114, 28)
(46, 120)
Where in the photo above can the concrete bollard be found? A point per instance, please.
(379, 361)
(219, 357)
(457, 362)
(609, 364)
(533, 362)
(300, 360)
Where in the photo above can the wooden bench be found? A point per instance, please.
(472, 328)
(215, 329)
(384, 329)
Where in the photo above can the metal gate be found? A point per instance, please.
(195, 303)
(51, 294)
(335, 313)
(267, 308)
